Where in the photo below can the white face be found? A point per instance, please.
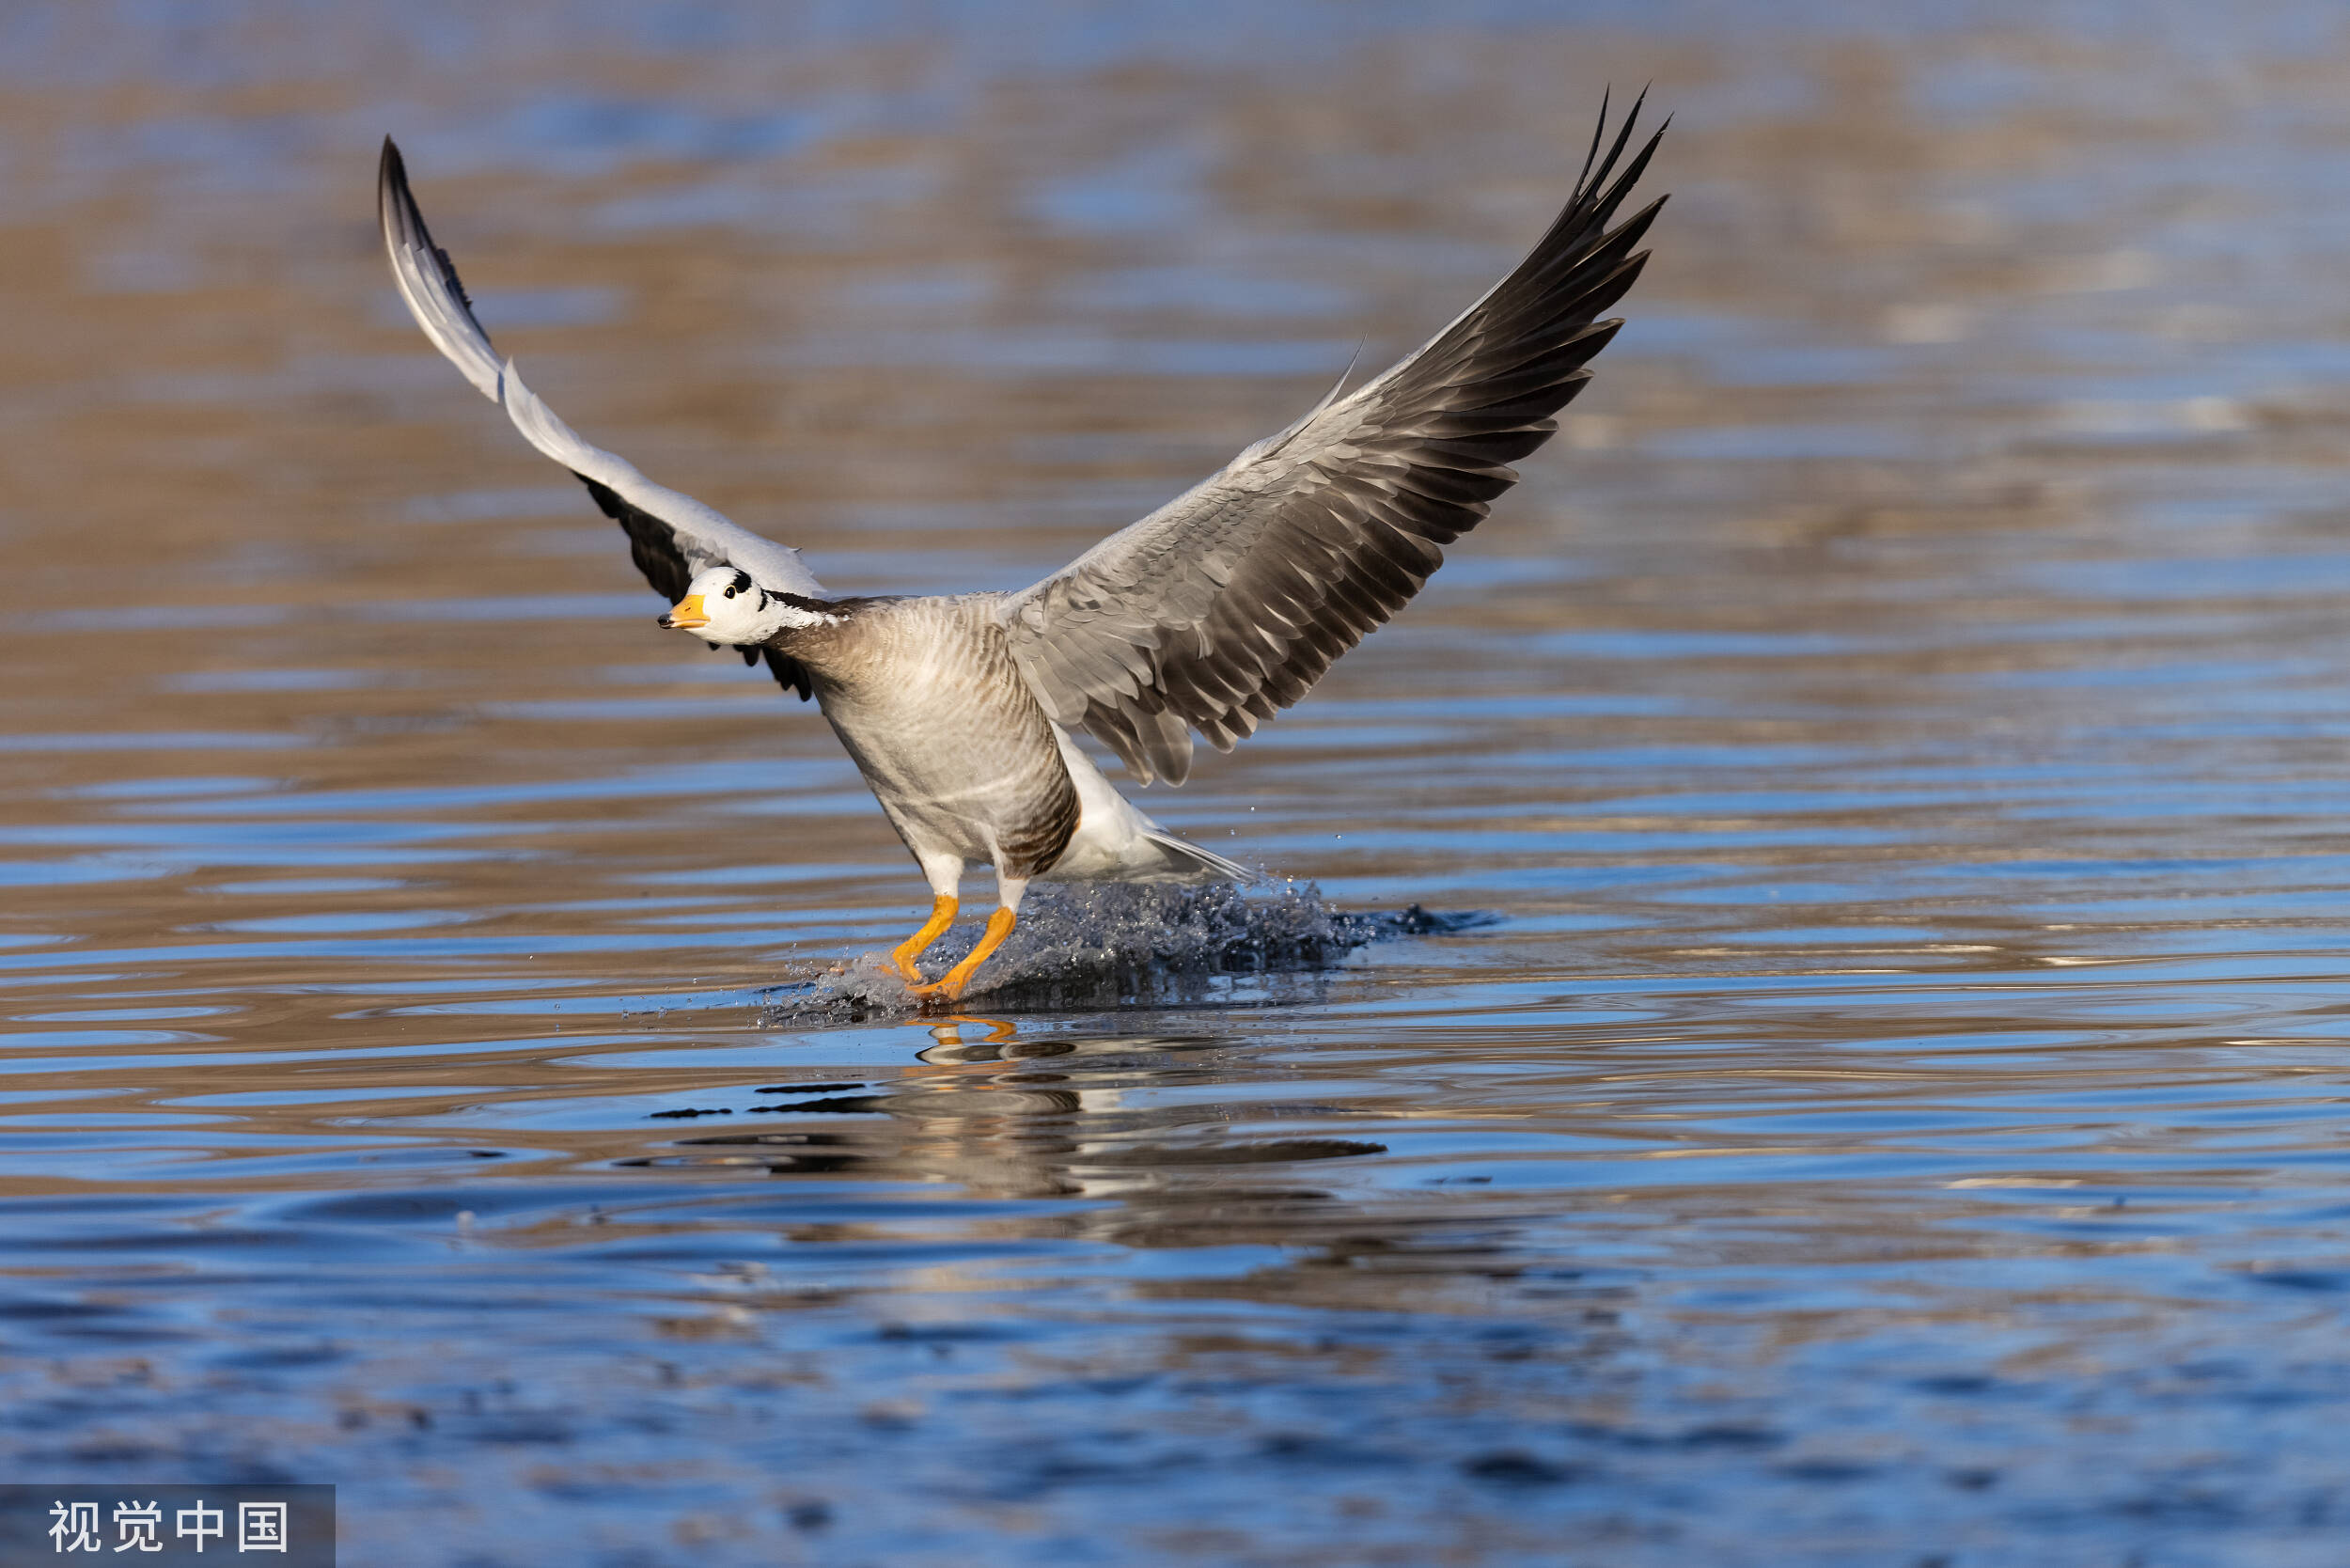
(725, 606)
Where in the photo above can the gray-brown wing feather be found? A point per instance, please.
(1227, 604)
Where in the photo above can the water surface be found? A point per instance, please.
(1894, 1113)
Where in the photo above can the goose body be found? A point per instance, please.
(928, 701)
(1205, 617)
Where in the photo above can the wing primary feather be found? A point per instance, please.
(1599, 130)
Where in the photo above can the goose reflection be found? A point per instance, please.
(950, 1047)
(1006, 1114)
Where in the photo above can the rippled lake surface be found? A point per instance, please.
(1891, 1106)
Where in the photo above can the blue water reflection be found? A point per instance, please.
(1890, 1112)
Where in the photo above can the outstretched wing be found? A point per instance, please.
(671, 537)
(1228, 603)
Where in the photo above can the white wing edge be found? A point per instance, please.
(776, 567)
(445, 319)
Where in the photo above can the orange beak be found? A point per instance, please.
(686, 615)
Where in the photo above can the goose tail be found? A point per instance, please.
(1192, 863)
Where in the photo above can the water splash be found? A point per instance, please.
(1112, 944)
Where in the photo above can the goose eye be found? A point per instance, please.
(729, 593)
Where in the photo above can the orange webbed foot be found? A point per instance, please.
(949, 987)
(941, 915)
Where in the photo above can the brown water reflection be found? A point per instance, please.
(1895, 1116)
